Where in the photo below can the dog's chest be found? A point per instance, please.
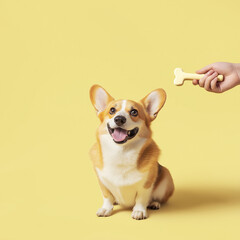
(120, 174)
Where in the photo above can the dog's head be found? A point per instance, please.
(123, 120)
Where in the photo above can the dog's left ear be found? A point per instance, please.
(153, 102)
(100, 98)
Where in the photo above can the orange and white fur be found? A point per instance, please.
(125, 157)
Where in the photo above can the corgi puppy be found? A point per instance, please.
(125, 157)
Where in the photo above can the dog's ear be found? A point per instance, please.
(100, 98)
(153, 102)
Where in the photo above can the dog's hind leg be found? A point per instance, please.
(154, 205)
(163, 188)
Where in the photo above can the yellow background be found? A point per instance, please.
(51, 52)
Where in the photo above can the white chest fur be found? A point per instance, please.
(120, 174)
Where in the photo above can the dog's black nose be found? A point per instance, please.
(120, 120)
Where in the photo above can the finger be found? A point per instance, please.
(203, 79)
(207, 84)
(204, 69)
(195, 82)
(215, 85)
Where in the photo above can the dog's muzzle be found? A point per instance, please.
(121, 135)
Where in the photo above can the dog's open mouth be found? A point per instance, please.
(121, 135)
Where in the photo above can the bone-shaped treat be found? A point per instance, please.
(180, 76)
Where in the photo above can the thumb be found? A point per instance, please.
(226, 85)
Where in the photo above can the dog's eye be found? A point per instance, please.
(134, 112)
(112, 110)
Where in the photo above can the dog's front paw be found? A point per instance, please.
(139, 214)
(103, 212)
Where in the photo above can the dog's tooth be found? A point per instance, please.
(128, 132)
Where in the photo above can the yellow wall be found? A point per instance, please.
(51, 52)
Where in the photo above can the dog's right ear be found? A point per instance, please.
(100, 98)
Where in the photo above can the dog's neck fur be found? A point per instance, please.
(120, 161)
(121, 154)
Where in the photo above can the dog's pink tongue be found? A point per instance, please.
(119, 134)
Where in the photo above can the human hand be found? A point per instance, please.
(230, 71)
